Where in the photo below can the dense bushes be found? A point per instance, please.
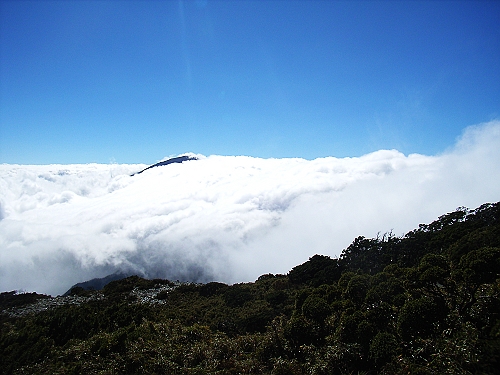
(426, 303)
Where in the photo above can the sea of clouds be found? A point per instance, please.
(225, 218)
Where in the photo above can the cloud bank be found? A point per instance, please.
(225, 218)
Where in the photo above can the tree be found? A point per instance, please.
(383, 347)
(421, 317)
(316, 308)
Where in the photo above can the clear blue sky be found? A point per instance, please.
(134, 81)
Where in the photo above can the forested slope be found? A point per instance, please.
(424, 303)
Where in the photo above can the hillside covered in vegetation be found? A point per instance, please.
(424, 303)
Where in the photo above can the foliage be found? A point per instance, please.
(15, 299)
(425, 303)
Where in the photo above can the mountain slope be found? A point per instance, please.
(427, 303)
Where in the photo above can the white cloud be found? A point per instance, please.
(225, 218)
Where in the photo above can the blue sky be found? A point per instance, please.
(135, 81)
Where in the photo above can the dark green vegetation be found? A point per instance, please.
(425, 303)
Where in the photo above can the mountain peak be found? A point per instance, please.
(178, 159)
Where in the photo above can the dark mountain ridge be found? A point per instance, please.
(178, 159)
(97, 283)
